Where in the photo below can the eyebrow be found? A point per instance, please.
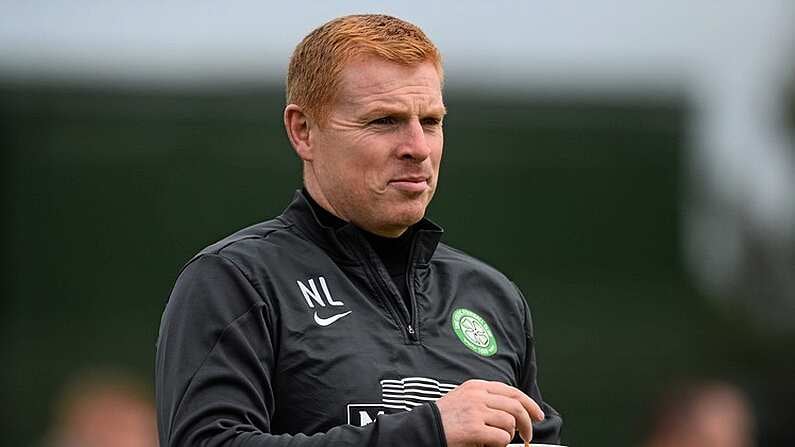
(388, 111)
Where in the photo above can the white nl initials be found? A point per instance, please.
(312, 295)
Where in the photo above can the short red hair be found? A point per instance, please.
(313, 76)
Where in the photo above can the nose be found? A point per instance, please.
(413, 144)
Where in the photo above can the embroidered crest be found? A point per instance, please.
(474, 332)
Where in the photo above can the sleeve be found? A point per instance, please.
(215, 363)
(547, 431)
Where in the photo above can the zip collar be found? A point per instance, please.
(348, 243)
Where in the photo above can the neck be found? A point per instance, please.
(313, 188)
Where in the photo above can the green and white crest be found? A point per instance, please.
(474, 332)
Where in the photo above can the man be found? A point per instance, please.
(99, 408)
(344, 321)
(701, 413)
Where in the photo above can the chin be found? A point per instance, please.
(408, 216)
(401, 212)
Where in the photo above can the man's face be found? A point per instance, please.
(376, 159)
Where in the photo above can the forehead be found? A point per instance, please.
(372, 81)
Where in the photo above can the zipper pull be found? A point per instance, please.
(412, 335)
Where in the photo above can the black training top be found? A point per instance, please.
(291, 332)
(393, 251)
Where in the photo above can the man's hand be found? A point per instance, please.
(483, 413)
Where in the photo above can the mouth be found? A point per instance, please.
(411, 184)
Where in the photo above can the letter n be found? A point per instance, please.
(311, 293)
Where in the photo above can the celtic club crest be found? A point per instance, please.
(474, 332)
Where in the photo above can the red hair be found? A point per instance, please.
(316, 65)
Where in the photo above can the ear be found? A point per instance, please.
(298, 127)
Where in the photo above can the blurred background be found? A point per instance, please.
(630, 165)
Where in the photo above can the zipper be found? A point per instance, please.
(381, 288)
(413, 329)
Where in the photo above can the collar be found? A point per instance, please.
(348, 242)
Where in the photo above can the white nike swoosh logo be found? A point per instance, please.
(329, 320)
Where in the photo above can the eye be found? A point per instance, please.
(431, 121)
(383, 121)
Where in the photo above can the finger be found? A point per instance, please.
(501, 419)
(516, 410)
(533, 409)
(494, 437)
